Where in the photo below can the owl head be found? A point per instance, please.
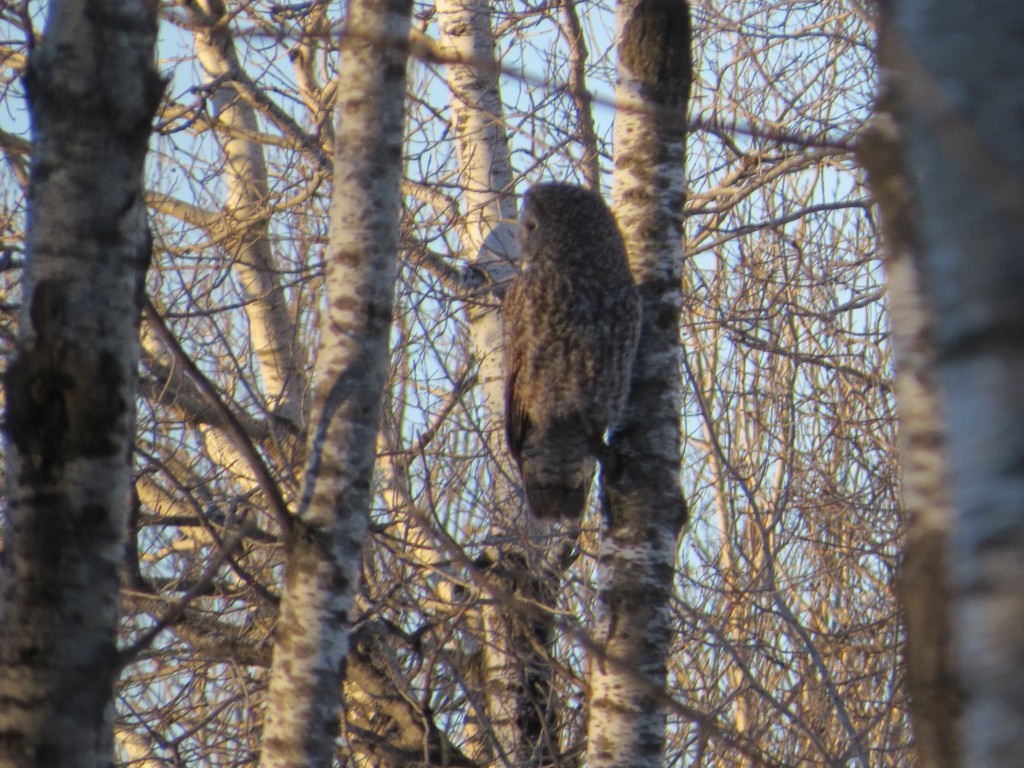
(559, 220)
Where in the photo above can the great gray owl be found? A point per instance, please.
(572, 322)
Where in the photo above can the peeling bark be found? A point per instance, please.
(70, 420)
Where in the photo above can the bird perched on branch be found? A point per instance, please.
(572, 323)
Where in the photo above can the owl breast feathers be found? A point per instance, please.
(572, 322)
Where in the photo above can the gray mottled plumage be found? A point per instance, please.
(572, 321)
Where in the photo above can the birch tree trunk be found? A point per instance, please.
(514, 669)
(247, 210)
(959, 82)
(325, 543)
(642, 500)
(71, 388)
(923, 583)
(485, 175)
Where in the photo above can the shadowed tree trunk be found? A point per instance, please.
(959, 95)
(71, 387)
(923, 579)
(325, 543)
(642, 500)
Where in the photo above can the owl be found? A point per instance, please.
(572, 323)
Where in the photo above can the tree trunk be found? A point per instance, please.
(923, 580)
(247, 214)
(485, 177)
(959, 87)
(325, 543)
(71, 388)
(642, 500)
(514, 668)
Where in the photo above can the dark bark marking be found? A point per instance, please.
(656, 50)
(348, 258)
(62, 401)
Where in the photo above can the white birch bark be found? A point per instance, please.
(70, 420)
(247, 212)
(514, 671)
(642, 499)
(325, 544)
(959, 81)
(481, 144)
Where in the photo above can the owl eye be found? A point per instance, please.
(530, 224)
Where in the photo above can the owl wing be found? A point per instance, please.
(516, 419)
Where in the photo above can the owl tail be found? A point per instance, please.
(559, 492)
(554, 502)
